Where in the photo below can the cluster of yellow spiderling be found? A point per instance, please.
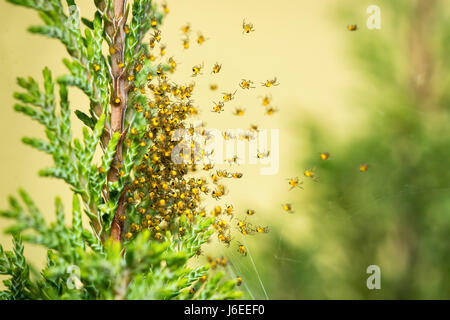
(164, 190)
(160, 189)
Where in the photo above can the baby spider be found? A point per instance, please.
(309, 173)
(352, 27)
(213, 87)
(165, 8)
(201, 39)
(216, 68)
(287, 207)
(248, 135)
(185, 43)
(243, 224)
(162, 50)
(250, 212)
(247, 27)
(246, 84)
(266, 100)
(324, 155)
(229, 209)
(226, 239)
(172, 63)
(239, 112)
(241, 249)
(261, 229)
(196, 70)
(363, 167)
(186, 28)
(234, 159)
(262, 155)
(237, 175)
(154, 22)
(228, 96)
(218, 107)
(295, 182)
(152, 43)
(156, 36)
(270, 83)
(271, 110)
(227, 135)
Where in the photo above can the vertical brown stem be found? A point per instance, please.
(117, 224)
(115, 30)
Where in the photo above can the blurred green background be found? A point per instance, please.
(379, 97)
(396, 214)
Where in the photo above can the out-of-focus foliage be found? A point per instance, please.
(397, 213)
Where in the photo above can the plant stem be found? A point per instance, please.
(119, 97)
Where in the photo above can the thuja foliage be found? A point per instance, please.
(144, 212)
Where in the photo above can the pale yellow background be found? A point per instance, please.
(299, 42)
